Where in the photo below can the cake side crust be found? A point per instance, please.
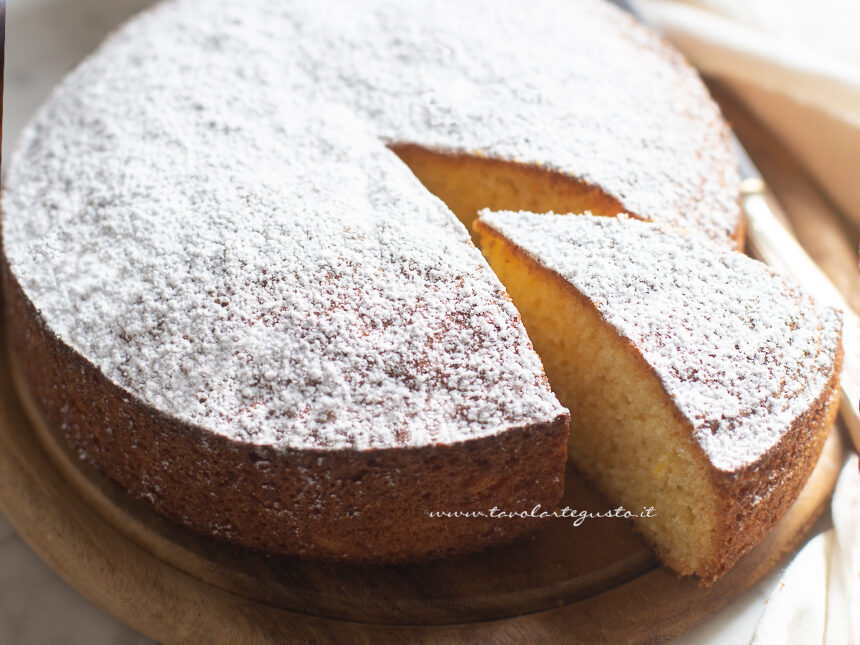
(757, 496)
(338, 505)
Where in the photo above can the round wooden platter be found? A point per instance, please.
(593, 583)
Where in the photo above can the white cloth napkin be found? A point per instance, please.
(818, 599)
(794, 63)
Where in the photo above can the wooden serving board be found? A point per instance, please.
(589, 584)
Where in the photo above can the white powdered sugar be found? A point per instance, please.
(741, 349)
(207, 211)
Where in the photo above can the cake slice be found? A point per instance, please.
(700, 382)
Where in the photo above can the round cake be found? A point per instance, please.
(237, 283)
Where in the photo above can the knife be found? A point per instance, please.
(771, 241)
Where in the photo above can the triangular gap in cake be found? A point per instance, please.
(699, 381)
(469, 183)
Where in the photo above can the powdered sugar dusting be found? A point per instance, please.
(741, 349)
(254, 261)
(574, 86)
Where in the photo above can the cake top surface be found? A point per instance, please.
(576, 87)
(742, 350)
(206, 209)
(327, 327)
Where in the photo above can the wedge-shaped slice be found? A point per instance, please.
(700, 382)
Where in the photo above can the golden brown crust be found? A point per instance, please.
(757, 496)
(341, 505)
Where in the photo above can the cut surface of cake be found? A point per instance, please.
(236, 296)
(700, 382)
